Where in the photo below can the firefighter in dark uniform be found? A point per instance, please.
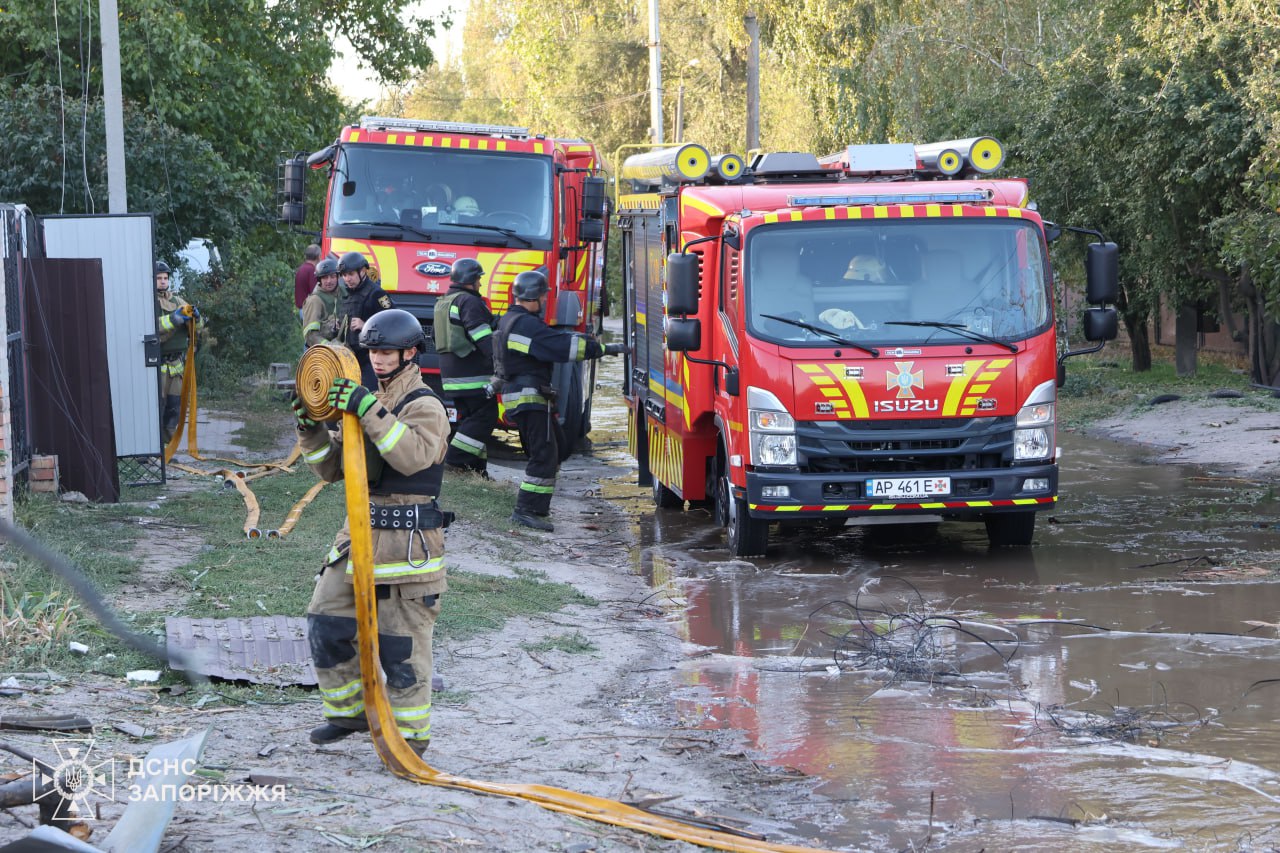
(364, 299)
(467, 367)
(173, 331)
(524, 351)
(406, 432)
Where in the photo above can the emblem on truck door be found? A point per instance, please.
(905, 379)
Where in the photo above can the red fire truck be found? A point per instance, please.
(870, 335)
(417, 196)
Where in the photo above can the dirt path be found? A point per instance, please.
(1240, 436)
(597, 723)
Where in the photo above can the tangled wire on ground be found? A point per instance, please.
(894, 630)
(911, 641)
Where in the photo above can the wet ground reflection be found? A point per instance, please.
(1132, 605)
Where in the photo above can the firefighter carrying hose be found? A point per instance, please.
(174, 330)
(406, 433)
(464, 340)
(524, 351)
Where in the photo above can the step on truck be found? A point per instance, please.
(869, 335)
(417, 196)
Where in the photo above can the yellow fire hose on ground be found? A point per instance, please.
(320, 365)
(187, 410)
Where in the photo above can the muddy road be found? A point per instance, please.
(1106, 689)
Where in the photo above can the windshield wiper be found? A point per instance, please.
(506, 232)
(959, 329)
(818, 330)
(399, 225)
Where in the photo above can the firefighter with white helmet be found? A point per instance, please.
(406, 432)
(524, 351)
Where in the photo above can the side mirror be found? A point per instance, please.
(590, 230)
(731, 381)
(1101, 324)
(1052, 231)
(684, 335)
(593, 196)
(682, 284)
(1102, 274)
(733, 239)
(1062, 374)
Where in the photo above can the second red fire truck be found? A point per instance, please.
(417, 196)
(869, 335)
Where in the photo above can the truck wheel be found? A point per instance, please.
(1010, 529)
(748, 537)
(664, 498)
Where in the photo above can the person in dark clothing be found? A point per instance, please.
(364, 299)
(464, 342)
(524, 351)
(304, 277)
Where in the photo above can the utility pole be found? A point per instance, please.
(753, 80)
(655, 75)
(113, 108)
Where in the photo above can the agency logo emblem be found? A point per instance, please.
(78, 778)
(905, 380)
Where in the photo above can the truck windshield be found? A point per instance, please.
(912, 281)
(435, 195)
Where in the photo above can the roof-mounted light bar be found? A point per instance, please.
(420, 125)
(888, 198)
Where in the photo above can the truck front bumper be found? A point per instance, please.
(975, 493)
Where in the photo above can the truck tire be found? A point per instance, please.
(664, 498)
(747, 536)
(1010, 529)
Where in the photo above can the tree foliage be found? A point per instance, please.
(213, 93)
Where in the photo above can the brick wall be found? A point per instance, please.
(44, 474)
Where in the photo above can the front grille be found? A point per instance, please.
(937, 445)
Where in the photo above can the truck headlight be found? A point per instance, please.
(772, 430)
(1033, 438)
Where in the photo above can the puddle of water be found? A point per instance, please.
(984, 759)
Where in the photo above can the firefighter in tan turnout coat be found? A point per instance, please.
(407, 433)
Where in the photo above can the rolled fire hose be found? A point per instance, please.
(319, 366)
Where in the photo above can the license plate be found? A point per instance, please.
(909, 488)
(452, 413)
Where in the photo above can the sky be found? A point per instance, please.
(357, 84)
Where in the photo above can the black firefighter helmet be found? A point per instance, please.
(466, 272)
(529, 285)
(394, 328)
(353, 262)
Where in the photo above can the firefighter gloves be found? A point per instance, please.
(615, 349)
(300, 413)
(178, 318)
(350, 397)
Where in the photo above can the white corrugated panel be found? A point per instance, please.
(124, 243)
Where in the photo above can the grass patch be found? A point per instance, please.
(572, 644)
(229, 576)
(1100, 385)
(477, 603)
